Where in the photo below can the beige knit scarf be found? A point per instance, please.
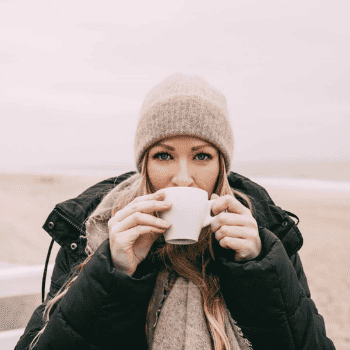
(180, 323)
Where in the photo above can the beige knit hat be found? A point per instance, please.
(184, 105)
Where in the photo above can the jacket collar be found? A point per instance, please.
(66, 223)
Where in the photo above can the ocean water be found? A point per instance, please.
(111, 171)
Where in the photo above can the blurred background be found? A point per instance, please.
(73, 76)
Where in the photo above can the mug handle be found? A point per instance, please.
(208, 218)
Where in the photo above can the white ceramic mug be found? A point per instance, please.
(190, 212)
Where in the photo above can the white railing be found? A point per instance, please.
(21, 280)
(18, 281)
(9, 339)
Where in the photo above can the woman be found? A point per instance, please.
(241, 286)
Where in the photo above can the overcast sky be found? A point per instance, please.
(73, 75)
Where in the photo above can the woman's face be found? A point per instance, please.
(183, 161)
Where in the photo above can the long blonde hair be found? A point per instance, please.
(189, 261)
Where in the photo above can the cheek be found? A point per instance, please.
(157, 175)
(211, 176)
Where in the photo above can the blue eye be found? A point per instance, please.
(203, 156)
(162, 156)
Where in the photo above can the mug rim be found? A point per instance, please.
(189, 188)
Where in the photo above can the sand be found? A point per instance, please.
(27, 200)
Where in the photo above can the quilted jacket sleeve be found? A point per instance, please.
(100, 310)
(270, 299)
(63, 266)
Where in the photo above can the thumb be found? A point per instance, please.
(214, 196)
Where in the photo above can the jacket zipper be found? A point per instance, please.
(69, 221)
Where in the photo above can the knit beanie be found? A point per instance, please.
(184, 105)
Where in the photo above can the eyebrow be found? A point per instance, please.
(173, 149)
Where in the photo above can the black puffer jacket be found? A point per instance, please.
(106, 309)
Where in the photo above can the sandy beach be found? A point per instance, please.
(27, 200)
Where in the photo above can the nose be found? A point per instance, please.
(183, 177)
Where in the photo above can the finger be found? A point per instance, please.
(139, 219)
(234, 232)
(244, 250)
(144, 206)
(232, 219)
(229, 203)
(159, 195)
(126, 240)
(130, 236)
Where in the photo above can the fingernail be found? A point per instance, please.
(166, 224)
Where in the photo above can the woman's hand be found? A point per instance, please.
(133, 230)
(236, 228)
